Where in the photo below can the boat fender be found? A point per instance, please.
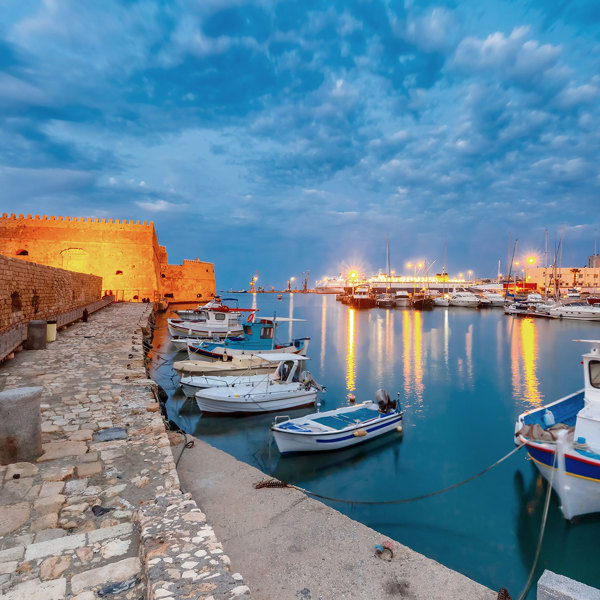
(548, 418)
(359, 433)
(351, 398)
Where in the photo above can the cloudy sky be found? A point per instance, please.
(295, 135)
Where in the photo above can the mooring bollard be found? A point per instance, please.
(36, 335)
(20, 425)
(51, 331)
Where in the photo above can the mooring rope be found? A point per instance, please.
(542, 530)
(276, 483)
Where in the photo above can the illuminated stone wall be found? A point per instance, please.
(30, 291)
(126, 254)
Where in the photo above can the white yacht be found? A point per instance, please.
(402, 298)
(331, 285)
(576, 310)
(464, 299)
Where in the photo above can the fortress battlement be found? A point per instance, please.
(53, 220)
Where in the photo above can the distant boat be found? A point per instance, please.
(402, 299)
(362, 297)
(467, 299)
(494, 298)
(331, 285)
(338, 428)
(385, 301)
(219, 321)
(581, 311)
(563, 440)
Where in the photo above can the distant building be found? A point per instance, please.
(125, 254)
(585, 278)
(594, 261)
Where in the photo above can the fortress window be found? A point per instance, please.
(136, 297)
(119, 273)
(200, 295)
(16, 301)
(22, 253)
(168, 295)
(163, 275)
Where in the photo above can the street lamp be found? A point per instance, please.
(290, 283)
(530, 263)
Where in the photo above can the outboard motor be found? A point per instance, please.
(308, 381)
(385, 403)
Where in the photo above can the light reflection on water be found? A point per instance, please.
(464, 375)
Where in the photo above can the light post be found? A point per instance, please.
(530, 262)
(469, 273)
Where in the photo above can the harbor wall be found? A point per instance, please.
(32, 291)
(125, 254)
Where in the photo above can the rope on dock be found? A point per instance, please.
(542, 530)
(271, 484)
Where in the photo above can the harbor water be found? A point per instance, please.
(463, 376)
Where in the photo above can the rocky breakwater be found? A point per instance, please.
(100, 514)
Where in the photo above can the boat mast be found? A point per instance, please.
(387, 260)
(510, 271)
(545, 264)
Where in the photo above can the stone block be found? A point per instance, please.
(54, 547)
(54, 567)
(54, 450)
(89, 469)
(113, 433)
(51, 488)
(20, 425)
(13, 516)
(110, 532)
(552, 586)
(14, 553)
(47, 521)
(49, 504)
(21, 470)
(111, 573)
(34, 589)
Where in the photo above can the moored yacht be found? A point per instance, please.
(401, 298)
(494, 298)
(468, 299)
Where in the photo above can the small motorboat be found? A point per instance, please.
(494, 298)
(576, 310)
(249, 364)
(264, 396)
(338, 428)
(385, 301)
(219, 321)
(280, 297)
(441, 301)
(464, 298)
(563, 441)
(285, 372)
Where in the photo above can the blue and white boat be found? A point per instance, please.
(259, 335)
(338, 428)
(563, 440)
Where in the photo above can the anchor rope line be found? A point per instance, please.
(542, 530)
(275, 483)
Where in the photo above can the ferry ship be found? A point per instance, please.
(331, 285)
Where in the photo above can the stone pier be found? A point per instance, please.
(100, 513)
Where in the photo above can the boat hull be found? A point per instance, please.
(228, 353)
(288, 442)
(578, 486)
(197, 330)
(255, 403)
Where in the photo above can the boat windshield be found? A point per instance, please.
(595, 373)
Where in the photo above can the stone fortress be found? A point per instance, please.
(126, 254)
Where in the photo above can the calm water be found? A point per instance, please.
(463, 376)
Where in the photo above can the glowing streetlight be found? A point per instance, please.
(469, 274)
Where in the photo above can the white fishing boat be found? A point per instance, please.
(441, 301)
(181, 343)
(249, 364)
(338, 428)
(563, 440)
(264, 396)
(285, 372)
(402, 299)
(576, 310)
(191, 314)
(210, 322)
(464, 298)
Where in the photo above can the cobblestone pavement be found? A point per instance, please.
(100, 514)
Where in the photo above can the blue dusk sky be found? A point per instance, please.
(295, 135)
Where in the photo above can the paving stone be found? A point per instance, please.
(62, 449)
(89, 469)
(22, 469)
(54, 547)
(89, 457)
(50, 534)
(7, 568)
(82, 435)
(110, 532)
(47, 521)
(54, 567)
(58, 473)
(34, 589)
(12, 517)
(14, 553)
(51, 488)
(111, 573)
(113, 433)
(49, 504)
(76, 487)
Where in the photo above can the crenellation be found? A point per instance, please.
(44, 217)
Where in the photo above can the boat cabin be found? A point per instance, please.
(587, 427)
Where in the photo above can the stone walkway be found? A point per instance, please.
(100, 514)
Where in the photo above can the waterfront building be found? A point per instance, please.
(586, 279)
(126, 254)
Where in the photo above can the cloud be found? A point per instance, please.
(158, 205)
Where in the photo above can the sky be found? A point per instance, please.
(294, 136)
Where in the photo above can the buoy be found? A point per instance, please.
(359, 433)
(399, 429)
(351, 398)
